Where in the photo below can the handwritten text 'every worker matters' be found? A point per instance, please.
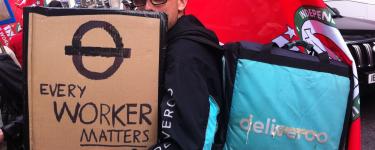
(68, 104)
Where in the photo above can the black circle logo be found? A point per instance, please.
(77, 51)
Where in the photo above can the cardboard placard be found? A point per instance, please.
(92, 78)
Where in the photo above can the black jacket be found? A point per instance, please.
(11, 103)
(192, 87)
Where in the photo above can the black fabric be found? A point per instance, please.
(286, 58)
(231, 51)
(193, 73)
(11, 103)
(344, 139)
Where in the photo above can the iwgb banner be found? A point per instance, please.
(281, 21)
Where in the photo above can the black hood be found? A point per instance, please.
(188, 26)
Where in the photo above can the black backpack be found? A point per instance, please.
(232, 52)
(11, 101)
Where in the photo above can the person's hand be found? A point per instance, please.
(1, 136)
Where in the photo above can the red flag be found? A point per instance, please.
(281, 21)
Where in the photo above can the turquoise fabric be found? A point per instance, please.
(211, 124)
(277, 107)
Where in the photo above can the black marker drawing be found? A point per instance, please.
(77, 51)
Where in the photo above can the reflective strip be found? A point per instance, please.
(211, 124)
(223, 71)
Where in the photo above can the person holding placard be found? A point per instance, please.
(193, 91)
(11, 103)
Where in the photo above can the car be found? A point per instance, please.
(359, 35)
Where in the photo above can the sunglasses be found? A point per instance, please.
(140, 3)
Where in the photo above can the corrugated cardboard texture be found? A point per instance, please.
(119, 112)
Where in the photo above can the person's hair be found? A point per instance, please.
(54, 3)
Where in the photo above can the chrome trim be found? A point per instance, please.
(370, 60)
(360, 41)
(357, 50)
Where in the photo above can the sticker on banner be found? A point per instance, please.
(371, 78)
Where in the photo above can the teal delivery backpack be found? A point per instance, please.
(281, 99)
